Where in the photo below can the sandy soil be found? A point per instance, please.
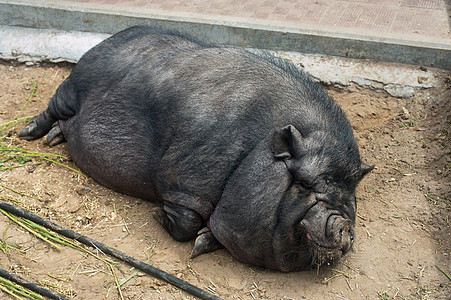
(403, 224)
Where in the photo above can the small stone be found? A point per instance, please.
(11, 133)
(73, 204)
(406, 114)
(422, 80)
(82, 190)
(31, 168)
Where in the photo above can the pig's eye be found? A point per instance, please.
(303, 184)
(321, 185)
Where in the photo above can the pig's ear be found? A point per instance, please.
(286, 142)
(365, 169)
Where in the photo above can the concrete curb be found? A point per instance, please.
(240, 32)
(31, 46)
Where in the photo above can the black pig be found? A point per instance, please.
(240, 149)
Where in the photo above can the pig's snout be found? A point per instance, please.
(340, 232)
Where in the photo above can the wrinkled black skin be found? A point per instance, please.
(241, 142)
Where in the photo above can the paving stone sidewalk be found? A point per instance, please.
(407, 19)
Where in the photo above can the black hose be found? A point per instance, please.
(183, 285)
(31, 286)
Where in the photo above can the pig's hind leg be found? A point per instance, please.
(61, 107)
(40, 126)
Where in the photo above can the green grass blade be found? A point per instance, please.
(21, 224)
(19, 289)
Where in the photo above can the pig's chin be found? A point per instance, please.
(321, 253)
(301, 250)
(328, 239)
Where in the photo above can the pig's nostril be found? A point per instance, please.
(347, 239)
(347, 233)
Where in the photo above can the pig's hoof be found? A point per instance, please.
(55, 135)
(205, 243)
(37, 128)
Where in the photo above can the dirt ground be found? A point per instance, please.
(403, 225)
